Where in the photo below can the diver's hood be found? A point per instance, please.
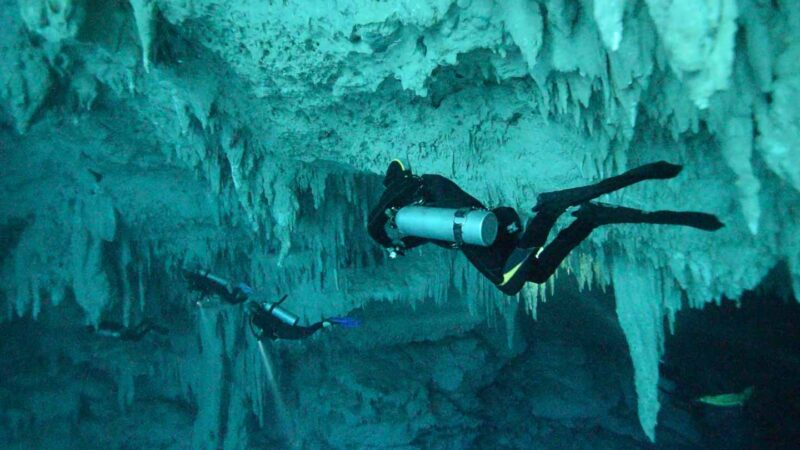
(398, 169)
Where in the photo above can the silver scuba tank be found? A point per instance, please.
(462, 226)
(281, 314)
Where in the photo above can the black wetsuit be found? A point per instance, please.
(136, 333)
(267, 326)
(519, 256)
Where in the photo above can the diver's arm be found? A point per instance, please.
(377, 221)
(401, 193)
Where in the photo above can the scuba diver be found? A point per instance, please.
(208, 284)
(268, 320)
(118, 331)
(416, 210)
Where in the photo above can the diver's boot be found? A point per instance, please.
(558, 201)
(602, 214)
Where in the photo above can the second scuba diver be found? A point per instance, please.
(415, 210)
(268, 320)
(118, 331)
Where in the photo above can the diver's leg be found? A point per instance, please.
(561, 200)
(516, 265)
(592, 215)
(558, 249)
(140, 330)
(549, 208)
(602, 214)
(301, 332)
(538, 228)
(134, 333)
(539, 266)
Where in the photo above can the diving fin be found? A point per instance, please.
(345, 322)
(563, 199)
(602, 214)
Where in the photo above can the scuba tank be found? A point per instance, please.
(280, 313)
(263, 316)
(462, 225)
(259, 311)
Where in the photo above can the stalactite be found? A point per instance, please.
(644, 298)
(206, 379)
(144, 14)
